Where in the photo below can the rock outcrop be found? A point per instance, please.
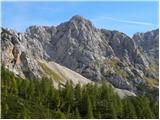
(149, 43)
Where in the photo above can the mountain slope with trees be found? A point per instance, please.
(37, 98)
(75, 70)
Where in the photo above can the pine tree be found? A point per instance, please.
(98, 116)
(77, 115)
(69, 115)
(89, 109)
(24, 113)
(5, 109)
(14, 86)
(118, 106)
(111, 111)
(58, 115)
(31, 91)
(78, 94)
(147, 113)
(68, 96)
(24, 88)
(45, 86)
(153, 106)
(129, 110)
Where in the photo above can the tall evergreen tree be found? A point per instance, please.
(89, 109)
(77, 114)
(129, 110)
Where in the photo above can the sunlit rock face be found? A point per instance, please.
(149, 43)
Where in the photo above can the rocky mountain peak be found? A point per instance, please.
(80, 21)
(96, 54)
(78, 18)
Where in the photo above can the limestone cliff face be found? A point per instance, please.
(97, 54)
(24, 56)
(149, 43)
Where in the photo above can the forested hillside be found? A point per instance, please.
(22, 98)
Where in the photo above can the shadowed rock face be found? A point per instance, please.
(97, 54)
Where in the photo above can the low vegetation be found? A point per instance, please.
(151, 82)
(151, 69)
(38, 98)
(118, 68)
(50, 72)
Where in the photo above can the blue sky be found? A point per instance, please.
(127, 17)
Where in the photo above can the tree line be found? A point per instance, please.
(37, 98)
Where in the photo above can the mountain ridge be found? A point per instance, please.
(97, 54)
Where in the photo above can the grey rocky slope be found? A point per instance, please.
(149, 43)
(97, 54)
(17, 58)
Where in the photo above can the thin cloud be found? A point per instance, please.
(125, 21)
(48, 9)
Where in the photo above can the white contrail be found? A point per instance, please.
(126, 21)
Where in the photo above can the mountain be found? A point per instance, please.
(96, 54)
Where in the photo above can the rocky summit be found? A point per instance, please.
(98, 55)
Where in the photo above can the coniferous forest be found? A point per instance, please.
(21, 98)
